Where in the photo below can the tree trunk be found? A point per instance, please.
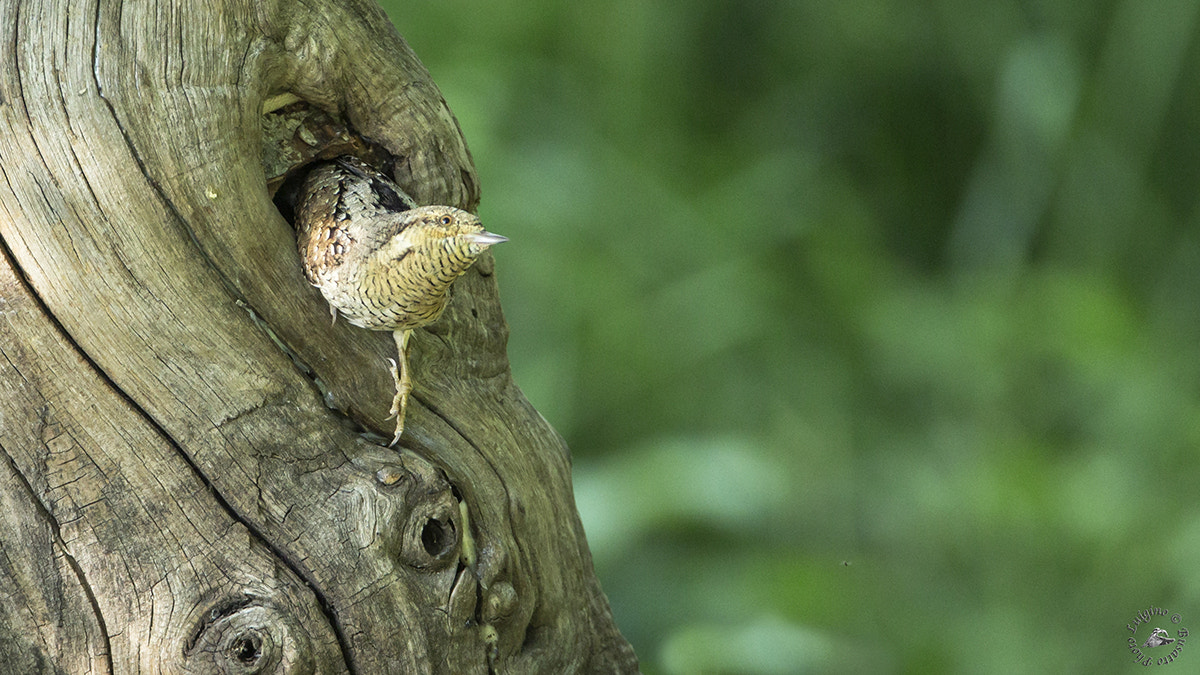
(191, 475)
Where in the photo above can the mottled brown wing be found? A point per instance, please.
(368, 206)
(387, 194)
(324, 248)
(321, 220)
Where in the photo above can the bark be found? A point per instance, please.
(191, 475)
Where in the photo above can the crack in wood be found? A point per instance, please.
(76, 569)
(323, 602)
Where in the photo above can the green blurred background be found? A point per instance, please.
(873, 326)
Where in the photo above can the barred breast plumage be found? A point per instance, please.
(379, 259)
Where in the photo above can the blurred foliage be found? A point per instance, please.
(873, 326)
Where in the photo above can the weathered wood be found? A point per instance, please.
(108, 521)
(184, 480)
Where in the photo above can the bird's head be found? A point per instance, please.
(439, 237)
(458, 229)
(453, 230)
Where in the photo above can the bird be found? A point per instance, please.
(1158, 638)
(379, 259)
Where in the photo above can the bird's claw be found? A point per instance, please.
(399, 401)
(395, 375)
(399, 431)
(399, 408)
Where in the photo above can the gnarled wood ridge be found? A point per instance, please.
(191, 475)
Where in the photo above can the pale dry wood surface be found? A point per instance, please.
(184, 481)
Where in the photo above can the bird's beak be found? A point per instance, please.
(484, 238)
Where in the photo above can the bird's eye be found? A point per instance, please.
(446, 220)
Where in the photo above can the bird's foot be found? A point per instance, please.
(399, 422)
(399, 402)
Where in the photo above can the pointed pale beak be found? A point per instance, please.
(485, 238)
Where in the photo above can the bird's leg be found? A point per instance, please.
(403, 383)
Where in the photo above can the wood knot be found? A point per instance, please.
(415, 511)
(244, 635)
(390, 475)
(500, 602)
(431, 537)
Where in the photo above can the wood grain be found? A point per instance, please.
(186, 482)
